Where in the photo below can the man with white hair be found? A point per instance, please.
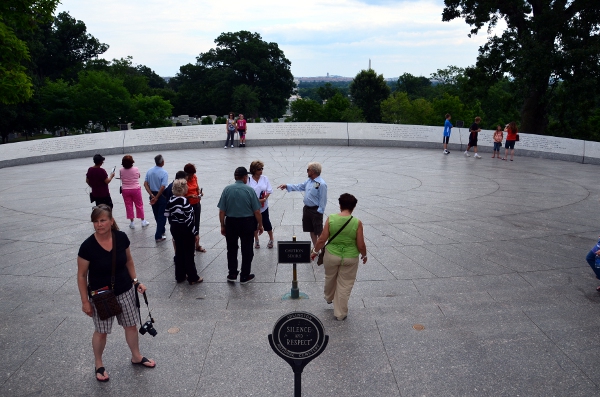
(315, 200)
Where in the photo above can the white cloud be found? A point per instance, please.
(335, 36)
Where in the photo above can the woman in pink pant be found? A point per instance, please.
(132, 191)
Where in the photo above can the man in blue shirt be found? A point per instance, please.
(315, 200)
(447, 131)
(155, 183)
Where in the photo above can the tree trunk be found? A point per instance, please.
(534, 115)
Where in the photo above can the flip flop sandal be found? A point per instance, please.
(101, 371)
(200, 249)
(143, 362)
(270, 245)
(256, 244)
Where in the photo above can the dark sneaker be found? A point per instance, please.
(246, 281)
(231, 279)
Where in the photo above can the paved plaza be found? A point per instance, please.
(486, 255)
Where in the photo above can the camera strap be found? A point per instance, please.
(137, 303)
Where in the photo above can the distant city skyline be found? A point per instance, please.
(338, 37)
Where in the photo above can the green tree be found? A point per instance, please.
(399, 109)
(368, 90)
(245, 100)
(101, 99)
(327, 91)
(333, 109)
(150, 111)
(25, 16)
(453, 105)
(57, 101)
(240, 58)
(545, 42)
(306, 110)
(62, 47)
(396, 108)
(415, 87)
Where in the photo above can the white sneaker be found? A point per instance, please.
(446, 152)
(477, 156)
(467, 154)
(231, 145)
(225, 147)
(132, 225)
(145, 223)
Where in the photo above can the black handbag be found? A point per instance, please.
(322, 253)
(105, 300)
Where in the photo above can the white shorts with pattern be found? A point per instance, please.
(128, 318)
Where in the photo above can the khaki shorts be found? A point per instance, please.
(312, 220)
(128, 318)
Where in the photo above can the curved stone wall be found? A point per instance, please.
(271, 134)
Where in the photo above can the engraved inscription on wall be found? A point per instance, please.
(69, 144)
(400, 132)
(543, 143)
(172, 135)
(288, 130)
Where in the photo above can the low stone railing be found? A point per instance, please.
(276, 134)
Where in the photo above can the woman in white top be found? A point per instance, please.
(263, 189)
(230, 129)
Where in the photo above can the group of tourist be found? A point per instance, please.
(512, 136)
(244, 216)
(234, 125)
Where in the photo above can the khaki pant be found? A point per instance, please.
(340, 275)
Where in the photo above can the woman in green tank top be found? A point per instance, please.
(346, 243)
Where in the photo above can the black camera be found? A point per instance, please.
(149, 328)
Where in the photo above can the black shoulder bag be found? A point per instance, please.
(105, 299)
(322, 253)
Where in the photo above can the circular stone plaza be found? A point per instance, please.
(476, 283)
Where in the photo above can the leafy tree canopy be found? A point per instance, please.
(368, 90)
(545, 42)
(240, 58)
(18, 15)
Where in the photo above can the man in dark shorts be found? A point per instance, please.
(473, 133)
(315, 200)
(239, 213)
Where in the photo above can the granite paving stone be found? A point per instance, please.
(488, 257)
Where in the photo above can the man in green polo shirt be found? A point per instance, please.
(239, 213)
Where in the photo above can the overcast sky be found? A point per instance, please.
(319, 37)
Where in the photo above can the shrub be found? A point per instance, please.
(276, 120)
(207, 121)
(257, 120)
(220, 120)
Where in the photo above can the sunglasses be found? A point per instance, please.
(259, 169)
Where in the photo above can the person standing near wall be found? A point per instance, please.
(447, 132)
(473, 134)
(241, 126)
(230, 130)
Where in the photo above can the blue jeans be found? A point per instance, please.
(159, 215)
(591, 260)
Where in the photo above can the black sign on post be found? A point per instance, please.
(298, 338)
(294, 252)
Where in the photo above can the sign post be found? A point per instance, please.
(298, 338)
(294, 252)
